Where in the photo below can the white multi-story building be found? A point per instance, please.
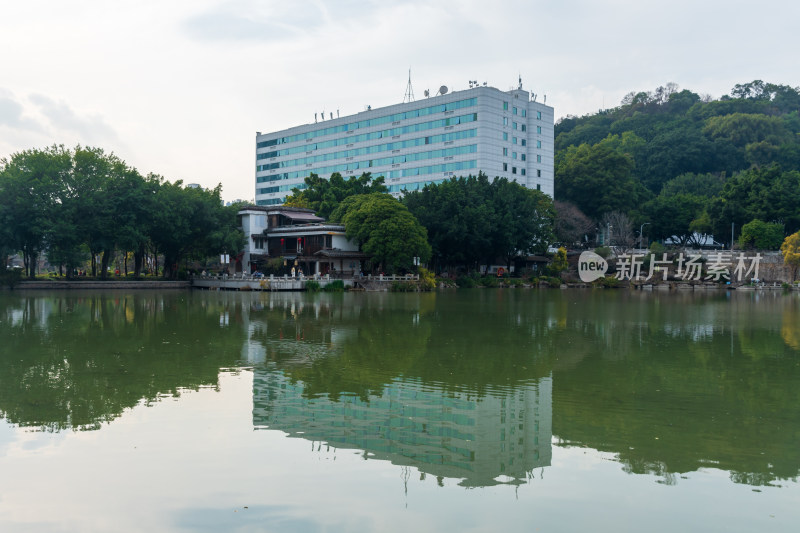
(500, 133)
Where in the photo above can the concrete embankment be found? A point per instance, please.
(96, 284)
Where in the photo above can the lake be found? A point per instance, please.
(470, 410)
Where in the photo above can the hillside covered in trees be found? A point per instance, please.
(683, 163)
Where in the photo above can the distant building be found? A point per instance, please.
(502, 133)
(298, 237)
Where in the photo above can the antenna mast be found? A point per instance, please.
(409, 96)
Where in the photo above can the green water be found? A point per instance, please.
(474, 410)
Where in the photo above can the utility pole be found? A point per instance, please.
(640, 233)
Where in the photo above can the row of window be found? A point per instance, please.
(416, 186)
(515, 125)
(370, 163)
(524, 112)
(432, 169)
(452, 121)
(370, 122)
(522, 170)
(420, 141)
(271, 201)
(522, 157)
(352, 140)
(419, 171)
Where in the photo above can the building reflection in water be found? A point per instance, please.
(499, 437)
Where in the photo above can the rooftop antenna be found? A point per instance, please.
(337, 113)
(520, 82)
(545, 99)
(315, 118)
(427, 93)
(409, 96)
(331, 115)
(323, 114)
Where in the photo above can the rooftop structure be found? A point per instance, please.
(501, 133)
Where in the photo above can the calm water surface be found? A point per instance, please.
(477, 410)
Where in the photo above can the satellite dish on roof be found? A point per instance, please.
(427, 94)
(443, 89)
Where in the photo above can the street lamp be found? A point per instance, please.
(641, 228)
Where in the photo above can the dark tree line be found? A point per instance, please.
(474, 220)
(685, 163)
(78, 205)
(459, 223)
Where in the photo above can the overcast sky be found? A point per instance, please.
(180, 87)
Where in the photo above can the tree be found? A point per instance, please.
(791, 252)
(187, 224)
(571, 225)
(324, 195)
(619, 228)
(599, 178)
(761, 235)
(766, 193)
(385, 229)
(672, 215)
(30, 185)
(559, 263)
(456, 214)
(473, 220)
(522, 222)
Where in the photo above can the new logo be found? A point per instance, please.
(591, 267)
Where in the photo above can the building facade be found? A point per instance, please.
(298, 237)
(482, 129)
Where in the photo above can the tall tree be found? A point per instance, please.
(473, 220)
(791, 252)
(30, 185)
(324, 195)
(599, 178)
(385, 229)
(571, 225)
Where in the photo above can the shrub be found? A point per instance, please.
(608, 282)
(554, 282)
(603, 251)
(313, 286)
(657, 248)
(465, 282)
(403, 286)
(427, 281)
(559, 263)
(10, 277)
(488, 281)
(334, 286)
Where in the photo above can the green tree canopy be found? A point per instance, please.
(599, 178)
(473, 220)
(385, 229)
(31, 182)
(761, 235)
(791, 252)
(324, 195)
(74, 204)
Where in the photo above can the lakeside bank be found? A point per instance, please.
(99, 284)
